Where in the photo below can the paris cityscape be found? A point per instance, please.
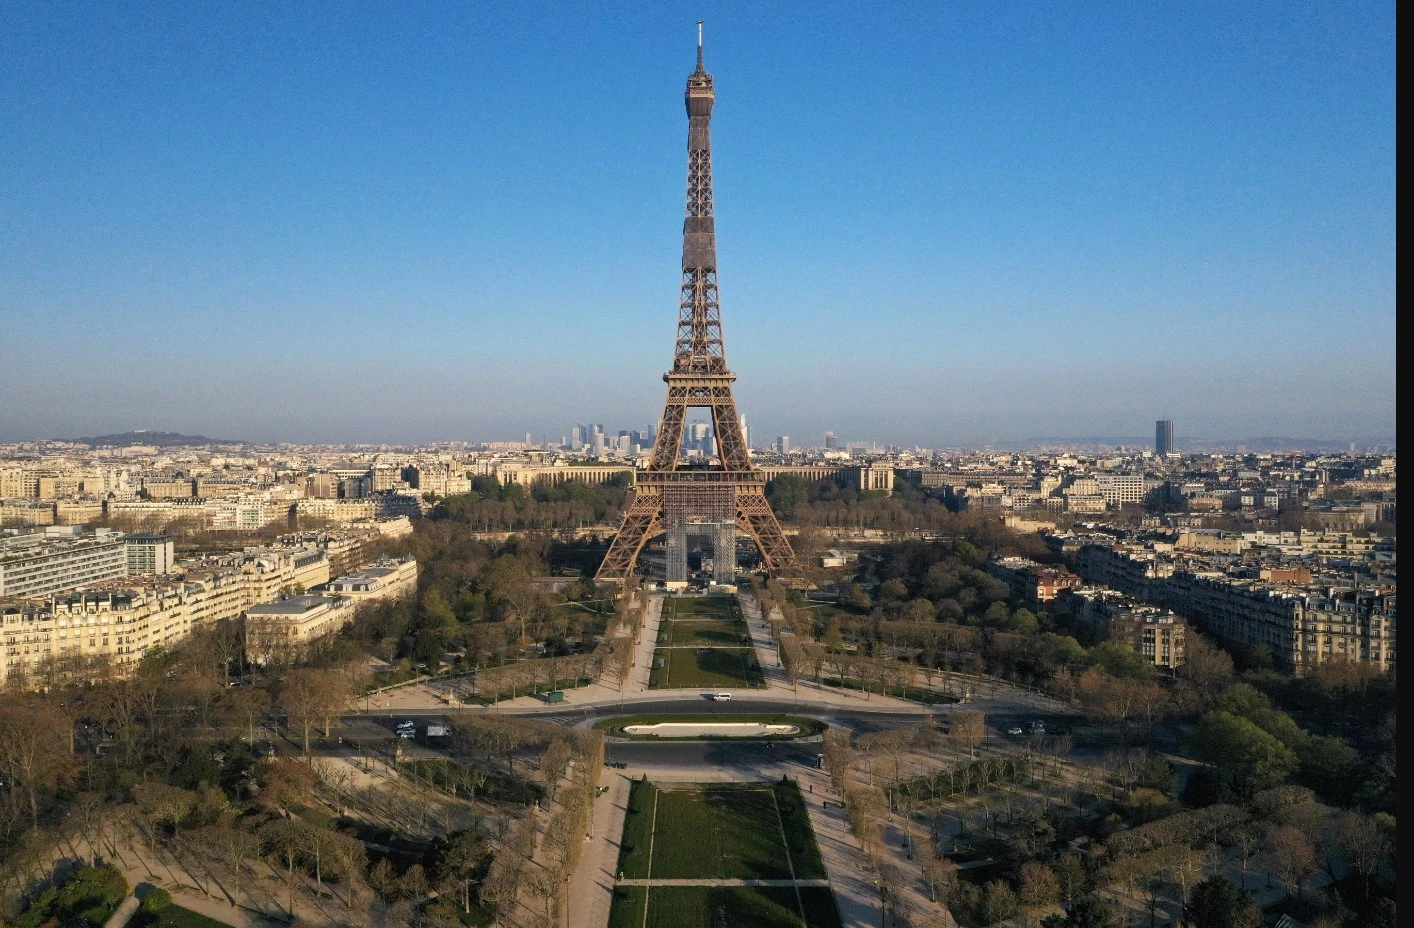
(1030, 565)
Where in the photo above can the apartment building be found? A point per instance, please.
(172, 488)
(1272, 603)
(116, 627)
(149, 554)
(1030, 581)
(59, 558)
(1121, 489)
(271, 572)
(280, 630)
(344, 511)
(383, 580)
(18, 483)
(1348, 625)
(1246, 613)
(77, 511)
(1130, 569)
(1157, 634)
(121, 623)
(26, 512)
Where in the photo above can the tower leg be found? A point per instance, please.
(755, 517)
(641, 522)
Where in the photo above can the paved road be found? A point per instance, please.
(860, 718)
(743, 757)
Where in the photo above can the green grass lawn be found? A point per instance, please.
(824, 612)
(703, 607)
(638, 827)
(800, 836)
(704, 632)
(718, 831)
(594, 615)
(911, 693)
(712, 906)
(626, 911)
(704, 667)
(820, 908)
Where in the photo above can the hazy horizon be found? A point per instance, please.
(937, 226)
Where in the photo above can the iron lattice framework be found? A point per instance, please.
(671, 494)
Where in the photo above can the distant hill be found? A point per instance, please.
(157, 439)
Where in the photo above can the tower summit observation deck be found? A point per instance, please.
(729, 494)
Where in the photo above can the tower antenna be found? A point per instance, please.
(699, 45)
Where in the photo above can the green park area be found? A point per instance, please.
(720, 831)
(676, 668)
(724, 608)
(703, 633)
(703, 641)
(712, 906)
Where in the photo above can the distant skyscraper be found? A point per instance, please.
(783, 444)
(1163, 436)
(830, 442)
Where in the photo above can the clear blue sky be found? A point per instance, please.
(938, 223)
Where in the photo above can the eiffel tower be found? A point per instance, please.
(722, 496)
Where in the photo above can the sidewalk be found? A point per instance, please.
(592, 885)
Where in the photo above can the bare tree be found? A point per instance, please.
(1039, 885)
(940, 876)
(35, 748)
(1247, 839)
(312, 697)
(248, 705)
(1364, 844)
(968, 728)
(1291, 854)
(285, 839)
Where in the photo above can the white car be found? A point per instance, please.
(720, 696)
(1014, 730)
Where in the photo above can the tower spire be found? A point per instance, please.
(699, 47)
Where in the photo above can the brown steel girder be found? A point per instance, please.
(642, 520)
(645, 518)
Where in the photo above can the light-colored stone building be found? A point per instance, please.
(381, 581)
(281, 630)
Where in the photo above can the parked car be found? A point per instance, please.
(1014, 730)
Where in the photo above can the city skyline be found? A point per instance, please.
(1033, 223)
